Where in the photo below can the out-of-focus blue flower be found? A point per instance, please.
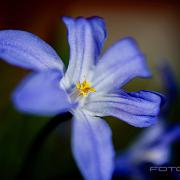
(155, 143)
(153, 146)
(89, 88)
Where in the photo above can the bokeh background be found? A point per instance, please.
(154, 24)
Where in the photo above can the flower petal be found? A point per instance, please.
(26, 50)
(148, 137)
(138, 109)
(40, 94)
(153, 145)
(159, 152)
(158, 155)
(86, 38)
(92, 147)
(122, 62)
(144, 146)
(141, 150)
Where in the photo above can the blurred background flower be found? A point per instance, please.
(153, 148)
(155, 25)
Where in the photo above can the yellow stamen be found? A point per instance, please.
(84, 88)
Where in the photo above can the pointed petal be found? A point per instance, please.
(99, 33)
(86, 38)
(138, 109)
(92, 147)
(122, 62)
(153, 145)
(148, 137)
(26, 50)
(40, 94)
(159, 153)
(142, 149)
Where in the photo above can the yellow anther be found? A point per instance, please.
(84, 88)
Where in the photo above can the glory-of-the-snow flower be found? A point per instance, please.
(152, 146)
(89, 88)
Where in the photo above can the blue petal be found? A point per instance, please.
(144, 141)
(137, 153)
(100, 34)
(28, 51)
(40, 94)
(148, 137)
(138, 109)
(86, 38)
(92, 147)
(153, 145)
(160, 152)
(158, 155)
(122, 62)
(143, 149)
(169, 83)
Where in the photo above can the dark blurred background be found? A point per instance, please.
(154, 24)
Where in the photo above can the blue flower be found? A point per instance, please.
(89, 88)
(152, 146)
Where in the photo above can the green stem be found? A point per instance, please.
(28, 164)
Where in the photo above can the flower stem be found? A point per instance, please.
(27, 167)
